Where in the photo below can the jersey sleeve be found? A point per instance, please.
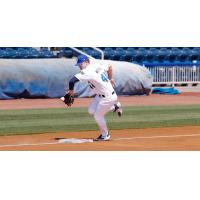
(82, 76)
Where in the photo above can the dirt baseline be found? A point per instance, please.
(178, 138)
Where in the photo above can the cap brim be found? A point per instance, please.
(77, 64)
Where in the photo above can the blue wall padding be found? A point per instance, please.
(48, 78)
(165, 91)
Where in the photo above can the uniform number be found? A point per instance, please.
(104, 77)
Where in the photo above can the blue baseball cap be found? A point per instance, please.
(81, 59)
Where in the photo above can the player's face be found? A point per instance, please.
(84, 65)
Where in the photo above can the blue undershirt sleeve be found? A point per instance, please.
(72, 82)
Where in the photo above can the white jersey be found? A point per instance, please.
(97, 78)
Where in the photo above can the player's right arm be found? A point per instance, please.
(109, 70)
(110, 75)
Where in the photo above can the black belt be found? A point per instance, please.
(102, 95)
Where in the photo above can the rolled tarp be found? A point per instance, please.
(48, 78)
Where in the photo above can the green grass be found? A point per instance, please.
(77, 119)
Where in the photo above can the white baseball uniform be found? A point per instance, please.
(97, 78)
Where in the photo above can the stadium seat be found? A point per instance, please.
(119, 52)
(3, 53)
(175, 51)
(149, 58)
(170, 58)
(68, 53)
(111, 57)
(86, 49)
(131, 52)
(164, 51)
(131, 49)
(153, 51)
(127, 56)
(119, 49)
(95, 54)
(183, 56)
(102, 48)
(194, 54)
(11, 53)
(139, 58)
(150, 55)
(116, 55)
(108, 53)
(141, 49)
(186, 50)
(108, 49)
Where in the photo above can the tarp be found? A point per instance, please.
(165, 91)
(48, 78)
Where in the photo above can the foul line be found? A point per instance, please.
(116, 139)
(31, 144)
(157, 136)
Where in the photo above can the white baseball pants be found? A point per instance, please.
(99, 107)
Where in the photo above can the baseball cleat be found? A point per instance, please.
(103, 138)
(118, 109)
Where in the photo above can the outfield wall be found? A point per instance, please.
(48, 78)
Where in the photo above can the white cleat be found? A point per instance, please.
(103, 138)
(118, 109)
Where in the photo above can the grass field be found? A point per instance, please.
(77, 119)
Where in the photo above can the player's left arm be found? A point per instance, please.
(68, 98)
(110, 75)
(72, 82)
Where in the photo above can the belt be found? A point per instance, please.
(102, 95)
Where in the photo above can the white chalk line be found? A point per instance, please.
(116, 139)
(27, 144)
(157, 136)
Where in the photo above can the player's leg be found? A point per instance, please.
(103, 107)
(92, 107)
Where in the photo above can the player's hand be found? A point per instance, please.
(112, 81)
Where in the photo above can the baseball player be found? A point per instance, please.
(99, 78)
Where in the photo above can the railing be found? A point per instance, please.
(82, 52)
(177, 74)
(100, 51)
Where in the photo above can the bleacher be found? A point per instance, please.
(147, 55)
(140, 55)
(25, 52)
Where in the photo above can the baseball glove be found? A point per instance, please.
(68, 99)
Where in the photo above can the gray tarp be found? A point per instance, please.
(31, 78)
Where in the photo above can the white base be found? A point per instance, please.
(74, 141)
